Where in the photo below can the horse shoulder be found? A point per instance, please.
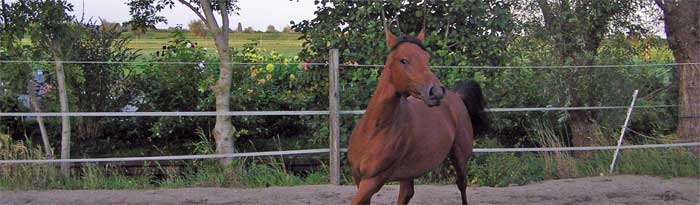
(374, 151)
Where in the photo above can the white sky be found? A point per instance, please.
(256, 13)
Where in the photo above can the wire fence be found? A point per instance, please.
(162, 62)
(324, 151)
(673, 65)
(285, 113)
(333, 66)
(539, 67)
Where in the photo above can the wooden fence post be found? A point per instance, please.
(334, 117)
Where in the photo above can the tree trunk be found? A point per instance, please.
(565, 35)
(35, 105)
(63, 100)
(585, 130)
(682, 19)
(223, 129)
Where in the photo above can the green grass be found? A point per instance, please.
(286, 44)
(485, 169)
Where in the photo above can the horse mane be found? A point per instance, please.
(408, 39)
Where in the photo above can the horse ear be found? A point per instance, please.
(421, 34)
(390, 38)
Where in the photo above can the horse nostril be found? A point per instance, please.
(432, 92)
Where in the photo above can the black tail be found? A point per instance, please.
(471, 95)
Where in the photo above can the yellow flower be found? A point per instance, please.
(253, 72)
(261, 81)
(293, 77)
(270, 67)
(250, 91)
(268, 76)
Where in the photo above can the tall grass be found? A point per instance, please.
(556, 164)
(250, 172)
(485, 169)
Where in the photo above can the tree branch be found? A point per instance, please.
(661, 5)
(546, 13)
(195, 10)
(209, 13)
(224, 16)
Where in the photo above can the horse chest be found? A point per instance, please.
(406, 151)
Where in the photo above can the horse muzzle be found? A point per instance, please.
(433, 96)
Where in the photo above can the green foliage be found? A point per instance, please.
(100, 87)
(144, 13)
(198, 28)
(52, 28)
(272, 173)
(458, 32)
(13, 21)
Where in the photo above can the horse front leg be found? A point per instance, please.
(367, 188)
(405, 191)
(459, 160)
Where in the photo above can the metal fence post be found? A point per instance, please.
(334, 117)
(624, 129)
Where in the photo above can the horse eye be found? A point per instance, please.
(404, 61)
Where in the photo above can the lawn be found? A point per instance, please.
(287, 44)
(284, 43)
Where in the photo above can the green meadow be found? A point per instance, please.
(287, 44)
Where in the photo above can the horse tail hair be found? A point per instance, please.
(473, 99)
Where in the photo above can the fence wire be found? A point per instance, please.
(347, 65)
(319, 151)
(285, 113)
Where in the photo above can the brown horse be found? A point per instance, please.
(401, 138)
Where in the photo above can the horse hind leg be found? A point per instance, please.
(459, 162)
(405, 191)
(367, 188)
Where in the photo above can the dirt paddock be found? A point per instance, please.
(623, 189)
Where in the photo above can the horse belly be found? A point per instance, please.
(422, 158)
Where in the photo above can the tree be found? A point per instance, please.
(53, 29)
(138, 31)
(682, 20)
(198, 28)
(271, 29)
(144, 14)
(575, 30)
(249, 29)
(110, 86)
(457, 30)
(287, 29)
(239, 28)
(13, 21)
(106, 26)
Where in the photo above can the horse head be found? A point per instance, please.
(409, 69)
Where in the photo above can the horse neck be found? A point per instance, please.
(385, 103)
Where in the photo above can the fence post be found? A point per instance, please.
(624, 129)
(334, 117)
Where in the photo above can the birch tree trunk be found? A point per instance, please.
(63, 100)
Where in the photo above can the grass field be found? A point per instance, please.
(287, 44)
(284, 43)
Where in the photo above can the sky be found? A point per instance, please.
(256, 13)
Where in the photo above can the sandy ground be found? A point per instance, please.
(624, 189)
